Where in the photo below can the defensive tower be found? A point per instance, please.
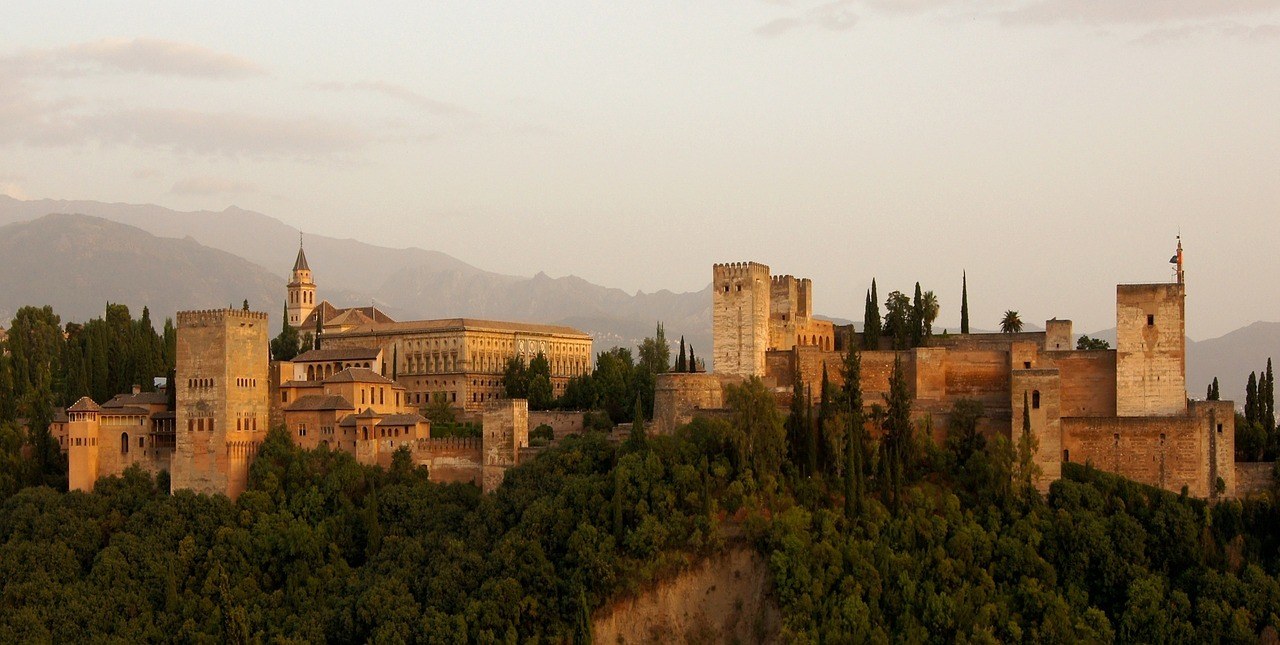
(1151, 356)
(740, 317)
(222, 398)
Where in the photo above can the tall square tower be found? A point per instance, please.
(222, 399)
(740, 317)
(1151, 350)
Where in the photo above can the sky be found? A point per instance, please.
(1047, 148)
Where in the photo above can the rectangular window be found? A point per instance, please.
(1151, 320)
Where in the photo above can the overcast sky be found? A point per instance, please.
(1051, 148)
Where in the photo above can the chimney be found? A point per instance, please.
(137, 389)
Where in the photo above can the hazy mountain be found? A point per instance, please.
(406, 283)
(78, 263)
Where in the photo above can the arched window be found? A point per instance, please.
(124, 443)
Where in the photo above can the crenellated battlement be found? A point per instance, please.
(739, 270)
(214, 316)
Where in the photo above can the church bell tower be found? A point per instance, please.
(302, 291)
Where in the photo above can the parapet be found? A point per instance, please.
(217, 316)
(739, 270)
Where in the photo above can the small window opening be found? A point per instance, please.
(1219, 428)
(1151, 320)
(1035, 400)
(1026, 365)
(1066, 455)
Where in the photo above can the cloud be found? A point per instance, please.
(134, 55)
(399, 93)
(27, 120)
(1108, 12)
(831, 16)
(12, 189)
(1247, 33)
(211, 186)
(224, 133)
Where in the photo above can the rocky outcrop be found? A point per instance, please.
(723, 599)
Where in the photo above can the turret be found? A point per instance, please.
(302, 291)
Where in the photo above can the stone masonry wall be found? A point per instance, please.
(740, 318)
(506, 431)
(1150, 350)
(1168, 452)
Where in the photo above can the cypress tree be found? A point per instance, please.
(693, 361)
(395, 362)
(853, 475)
(682, 364)
(1251, 399)
(917, 318)
(319, 328)
(796, 443)
(964, 303)
(637, 440)
(1269, 413)
(871, 320)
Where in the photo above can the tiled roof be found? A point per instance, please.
(85, 404)
(141, 398)
(358, 375)
(126, 411)
(316, 402)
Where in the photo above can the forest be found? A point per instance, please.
(951, 548)
(879, 536)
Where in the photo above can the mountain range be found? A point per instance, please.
(79, 255)
(131, 254)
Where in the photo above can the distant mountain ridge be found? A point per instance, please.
(407, 283)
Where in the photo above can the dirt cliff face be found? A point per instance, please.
(723, 599)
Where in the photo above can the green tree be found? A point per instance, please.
(930, 310)
(538, 377)
(897, 319)
(871, 326)
(1086, 343)
(284, 347)
(964, 302)
(637, 440)
(758, 434)
(515, 378)
(1028, 472)
(1011, 323)
(1269, 400)
(897, 441)
(681, 362)
(655, 353)
(614, 383)
(1213, 394)
(855, 441)
(915, 318)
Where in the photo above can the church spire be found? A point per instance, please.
(301, 263)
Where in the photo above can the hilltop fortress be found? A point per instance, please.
(1125, 410)
(362, 393)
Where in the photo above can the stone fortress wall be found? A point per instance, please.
(1124, 410)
